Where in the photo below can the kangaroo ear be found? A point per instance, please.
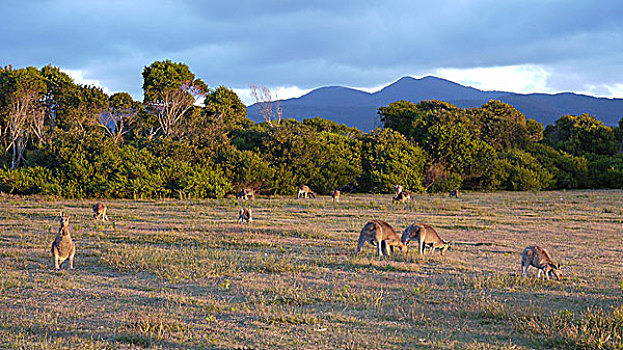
(61, 214)
(558, 266)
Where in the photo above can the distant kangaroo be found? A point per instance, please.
(403, 196)
(99, 211)
(63, 247)
(244, 216)
(304, 191)
(539, 258)
(398, 189)
(245, 194)
(425, 235)
(454, 193)
(380, 234)
(335, 195)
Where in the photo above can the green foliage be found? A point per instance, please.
(163, 75)
(388, 159)
(524, 172)
(579, 135)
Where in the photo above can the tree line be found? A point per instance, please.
(185, 139)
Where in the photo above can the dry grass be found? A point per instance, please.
(181, 274)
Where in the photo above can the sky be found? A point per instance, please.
(295, 46)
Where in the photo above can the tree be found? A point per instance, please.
(170, 91)
(581, 134)
(389, 159)
(57, 103)
(223, 109)
(268, 105)
(87, 102)
(21, 92)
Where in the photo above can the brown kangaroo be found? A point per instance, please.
(380, 234)
(455, 193)
(245, 194)
(63, 247)
(99, 211)
(335, 195)
(244, 215)
(539, 258)
(304, 191)
(426, 236)
(403, 196)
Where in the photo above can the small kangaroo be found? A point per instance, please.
(398, 189)
(63, 247)
(539, 258)
(335, 195)
(403, 196)
(245, 194)
(454, 193)
(380, 234)
(425, 236)
(304, 191)
(244, 216)
(99, 211)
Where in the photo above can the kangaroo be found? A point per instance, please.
(403, 196)
(539, 258)
(63, 247)
(397, 189)
(99, 211)
(304, 191)
(335, 195)
(454, 193)
(425, 235)
(244, 215)
(245, 194)
(380, 234)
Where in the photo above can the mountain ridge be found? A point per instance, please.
(358, 108)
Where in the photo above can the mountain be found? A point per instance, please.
(358, 108)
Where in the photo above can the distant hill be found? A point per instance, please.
(358, 108)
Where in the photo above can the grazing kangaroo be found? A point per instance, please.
(99, 211)
(380, 234)
(539, 258)
(397, 189)
(304, 191)
(245, 194)
(403, 196)
(454, 193)
(63, 247)
(244, 215)
(425, 235)
(335, 195)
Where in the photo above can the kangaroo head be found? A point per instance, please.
(410, 233)
(554, 270)
(65, 221)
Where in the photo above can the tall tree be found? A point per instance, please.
(170, 90)
(268, 104)
(581, 134)
(21, 92)
(57, 99)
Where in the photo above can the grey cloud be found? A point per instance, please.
(313, 43)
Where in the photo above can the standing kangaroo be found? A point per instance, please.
(304, 191)
(424, 234)
(244, 215)
(380, 234)
(63, 247)
(539, 258)
(99, 211)
(335, 195)
(454, 193)
(398, 189)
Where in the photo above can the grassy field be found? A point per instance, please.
(182, 274)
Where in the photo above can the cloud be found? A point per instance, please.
(519, 78)
(358, 43)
